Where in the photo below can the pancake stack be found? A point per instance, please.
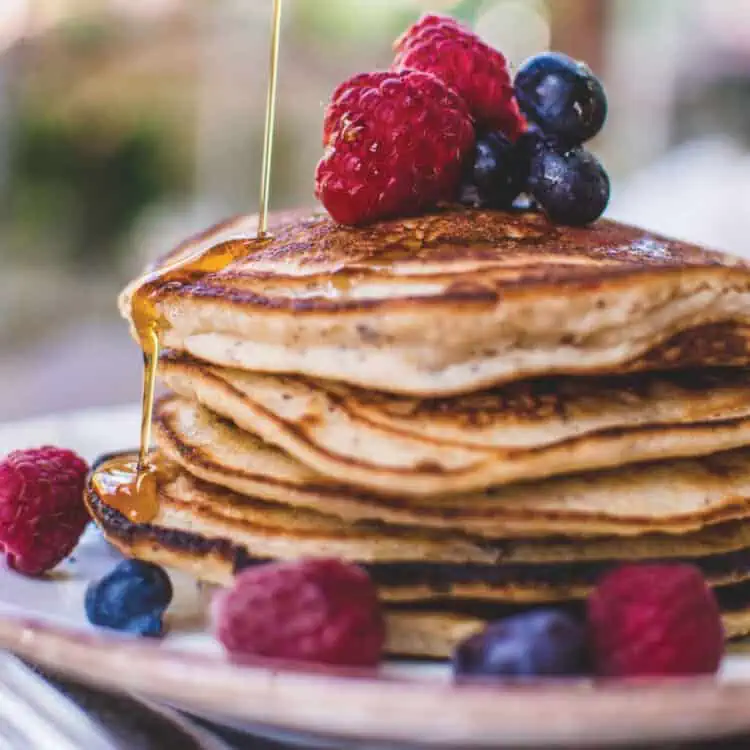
(484, 410)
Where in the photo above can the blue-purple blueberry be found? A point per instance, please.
(572, 187)
(562, 96)
(540, 643)
(500, 170)
(132, 598)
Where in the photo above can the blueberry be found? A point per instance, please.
(132, 598)
(572, 187)
(498, 173)
(562, 96)
(148, 625)
(542, 643)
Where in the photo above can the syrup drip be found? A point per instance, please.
(270, 129)
(130, 486)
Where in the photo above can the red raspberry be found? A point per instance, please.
(428, 23)
(655, 620)
(442, 46)
(346, 102)
(321, 611)
(396, 146)
(42, 513)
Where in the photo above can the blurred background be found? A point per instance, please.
(125, 125)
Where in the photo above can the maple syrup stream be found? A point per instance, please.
(131, 486)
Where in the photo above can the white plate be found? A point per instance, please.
(407, 704)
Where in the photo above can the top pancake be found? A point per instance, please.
(450, 302)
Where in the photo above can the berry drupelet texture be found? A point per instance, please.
(655, 620)
(396, 146)
(477, 72)
(42, 513)
(319, 611)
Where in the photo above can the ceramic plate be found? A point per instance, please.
(404, 704)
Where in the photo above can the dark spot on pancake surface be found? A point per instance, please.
(368, 334)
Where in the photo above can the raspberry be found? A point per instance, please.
(397, 143)
(346, 99)
(655, 620)
(42, 513)
(479, 73)
(320, 611)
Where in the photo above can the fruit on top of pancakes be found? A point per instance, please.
(442, 46)
(572, 187)
(397, 147)
(563, 97)
(499, 172)
(540, 643)
(396, 142)
(653, 621)
(566, 106)
(131, 598)
(321, 611)
(42, 513)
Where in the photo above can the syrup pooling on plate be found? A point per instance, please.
(132, 487)
(131, 490)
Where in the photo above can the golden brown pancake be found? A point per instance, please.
(451, 302)
(212, 533)
(525, 430)
(672, 496)
(434, 630)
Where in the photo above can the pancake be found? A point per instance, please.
(212, 533)
(448, 303)
(433, 631)
(383, 542)
(671, 497)
(526, 430)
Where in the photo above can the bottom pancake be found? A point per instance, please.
(433, 631)
(430, 606)
(211, 533)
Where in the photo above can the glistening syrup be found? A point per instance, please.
(131, 487)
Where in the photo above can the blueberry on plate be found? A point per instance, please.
(541, 643)
(499, 172)
(150, 625)
(571, 187)
(131, 598)
(562, 96)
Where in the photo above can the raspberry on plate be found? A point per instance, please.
(396, 145)
(42, 513)
(655, 620)
(319, 611)
(479, 73)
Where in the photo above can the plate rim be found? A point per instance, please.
(352, 706)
